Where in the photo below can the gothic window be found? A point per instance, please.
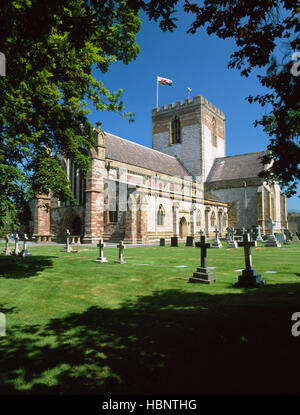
(160, 215)
(113, 205)
(198, 219)
(113, 215)
(220, 218)
(212, 219)
(225, 220)
(175, 131)
(214, 132)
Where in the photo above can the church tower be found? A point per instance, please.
(193, 131)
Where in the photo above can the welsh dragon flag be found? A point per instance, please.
(164, 81)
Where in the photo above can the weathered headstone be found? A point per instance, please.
(101, 257)
(162, 242)
(203, 274)
(189, 241)
(174, 241)
(287, 237)
(271, 239)
(68, 247)
(16, 250)
(6, 250)
(216, 243)
(258, 236)
(231, 242)
(121, 247)
(249, 277)
(25, 251)
(280, 237)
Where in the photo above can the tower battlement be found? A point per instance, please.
(187, 104)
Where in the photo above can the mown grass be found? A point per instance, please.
(74, 326)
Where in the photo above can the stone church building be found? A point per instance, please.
(185, 183)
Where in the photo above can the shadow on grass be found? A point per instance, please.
(23, 267)
(172, 342)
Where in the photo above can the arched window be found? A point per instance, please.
(113, 197)
(225, 220)
(220, 220)
(198, 219)
(212, 219)
(175, 131)
(113, 215)
(160, 215)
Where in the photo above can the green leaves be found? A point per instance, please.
(51, 48)
(258, 28)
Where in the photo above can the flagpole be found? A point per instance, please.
(156, 93)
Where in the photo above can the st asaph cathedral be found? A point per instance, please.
(183, 184)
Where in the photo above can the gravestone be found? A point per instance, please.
(280, 237)
(203, 274)
(174, 241)
(287, 234)
(294, 237)
(249, 277)
(25, 251)
(258, 236)
(271, 239)
(190, 241)
(216, 243)
(68, 247)
(231, 243)
(101, 257)
(6, 250)
(162, 242)
(121, 247)
(16, 250)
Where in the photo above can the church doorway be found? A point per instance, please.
(183, 228)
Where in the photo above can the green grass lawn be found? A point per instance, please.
(74, 326)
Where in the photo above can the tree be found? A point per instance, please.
(259, 28)
(51, 49)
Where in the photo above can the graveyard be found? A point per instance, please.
(78, 326)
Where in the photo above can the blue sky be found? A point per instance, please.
(197, 61)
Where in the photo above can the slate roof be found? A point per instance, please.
(125, 151)
(241, 166)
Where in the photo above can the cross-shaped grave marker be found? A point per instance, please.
(68, 247)
(25, 251)
(216, 243)
(249, 277)
(101, 258)
(258, 236)
(203, 274)
(271, 239)
(121, 247)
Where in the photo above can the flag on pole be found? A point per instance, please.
(164, 81)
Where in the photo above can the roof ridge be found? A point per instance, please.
(141, 145)
(243, 154)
